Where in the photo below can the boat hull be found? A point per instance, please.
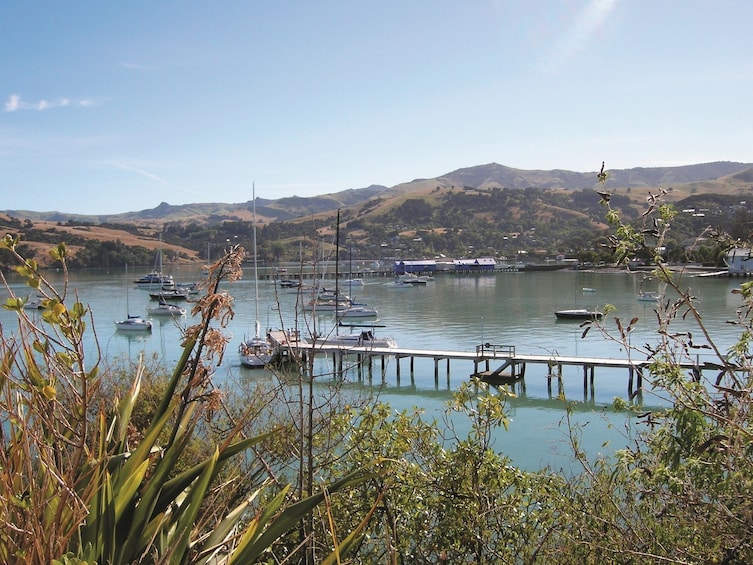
(578, 314)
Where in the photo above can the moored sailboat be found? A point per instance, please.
(255, 352)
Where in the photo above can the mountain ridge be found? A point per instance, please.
(487, 176)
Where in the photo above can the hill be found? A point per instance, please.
(486, 209)
(728, 175)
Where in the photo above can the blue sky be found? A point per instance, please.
(111, 107)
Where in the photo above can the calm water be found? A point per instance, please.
(455, 313)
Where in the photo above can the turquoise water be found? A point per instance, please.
(452, 313)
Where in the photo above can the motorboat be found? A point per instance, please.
(156, 278)
(174, 294)
(644, 296)
(413, 279)
(578, 314)
(365, 338)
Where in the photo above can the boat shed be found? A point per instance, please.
(739, 262)
(479, 265)
(415, 267)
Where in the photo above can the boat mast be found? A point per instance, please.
(256, 267)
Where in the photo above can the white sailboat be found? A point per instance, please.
(133, 323)
(165, 308)
(255, 352)
(355, 309)
(365, 338)
(157, 279)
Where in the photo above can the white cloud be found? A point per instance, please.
(15, 103)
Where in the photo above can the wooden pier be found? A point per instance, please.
(510, 365)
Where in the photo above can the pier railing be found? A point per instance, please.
(487, 350)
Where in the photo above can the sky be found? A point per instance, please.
(110, 107)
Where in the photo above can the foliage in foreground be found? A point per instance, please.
(80, 483)
(679, 492)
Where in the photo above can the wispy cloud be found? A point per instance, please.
(15, 103)
(136, 170)
(586, 23)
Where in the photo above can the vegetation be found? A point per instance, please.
(81, 482)
(87, 474)
(455, 221)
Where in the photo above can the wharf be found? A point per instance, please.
(511, 366)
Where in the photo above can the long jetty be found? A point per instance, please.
(509, 366)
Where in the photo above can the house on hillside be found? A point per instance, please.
(479, 265)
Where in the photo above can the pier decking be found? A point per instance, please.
(510, 366)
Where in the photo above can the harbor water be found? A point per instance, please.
(451, 312)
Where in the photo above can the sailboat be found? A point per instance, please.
(156, 278)
(133, 323)
(365, 338)
(256, 351)
(165, 308)
(355, 310)
(578, 313)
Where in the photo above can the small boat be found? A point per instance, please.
(169, 295)
(358, 311)
(397, 283)
(327, 305)
(156, 278)
(588, 289)
(365, 338)
(644, 296)
(289, 283)
(164, 308)
(133, 323)
(188, 288)
(578, 314)
(256, 352)
(354, 282)
(410, 278)
(34, 303)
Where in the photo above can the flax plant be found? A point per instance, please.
(80, 483)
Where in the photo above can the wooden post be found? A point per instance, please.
(585, 380)
(630, 381)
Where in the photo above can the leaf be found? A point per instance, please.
(252, 545)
